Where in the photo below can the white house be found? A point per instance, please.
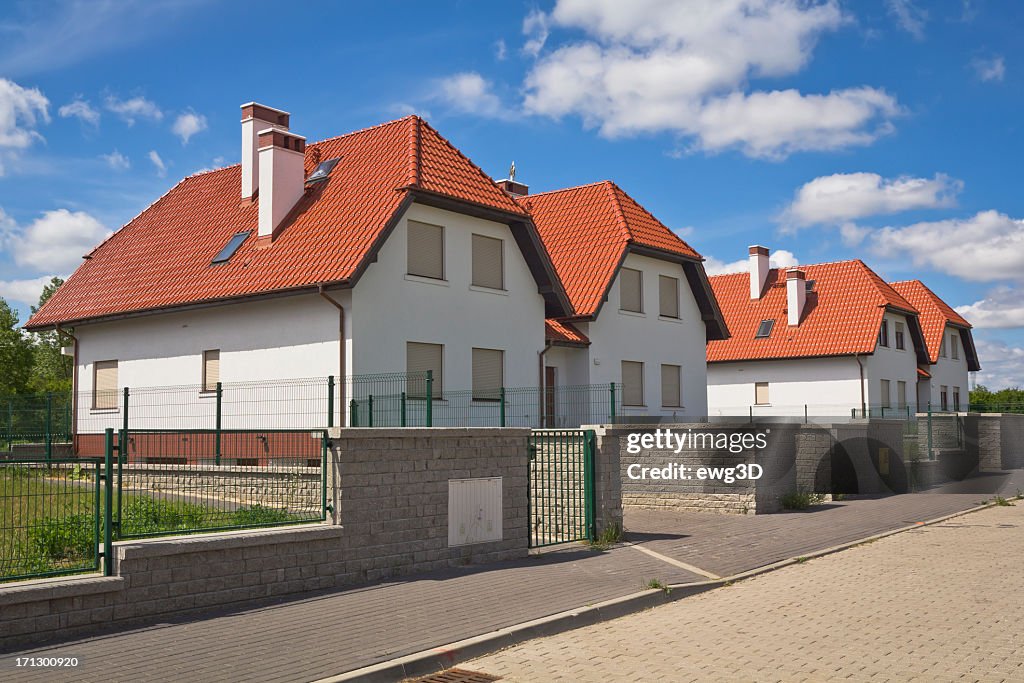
(829, 339)
(642, 306)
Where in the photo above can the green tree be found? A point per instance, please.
(15, 353)
(51, 370)
(1009, 400)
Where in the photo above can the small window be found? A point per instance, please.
(954, 346)
(810, 285)
(942, 347)
(956, 399)
(901, 395)
(671, 397)
(104, 385)
(632, 383)
(668, 296)
(944, 398)
(225, 254)
(901, 343)
(883, 334)
(211, 369)
(323, 171)
(419, 358)
(761, 393)
(487, 374)
(488, 262)
(631, 290)
(764, 330)
(426, 250)
(886, 397)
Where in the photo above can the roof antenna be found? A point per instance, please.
(512, 171)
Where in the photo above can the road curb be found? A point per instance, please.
(446, 656)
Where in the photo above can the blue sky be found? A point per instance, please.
(887, 130)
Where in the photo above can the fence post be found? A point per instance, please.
(612, 415)
(805, 413)
(403, 408)
(369, 411)
(122, 453)
(330, 400)
(49, 426)
(353, 414)
(590, 503)
(323, 477)
(501, 398)
(930, 454)
(430, 398)
(108, 501)
(122, 450)
(216, 437)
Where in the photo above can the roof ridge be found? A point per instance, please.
(653, 217)
(206, 171)
(363, 130)
(798, 265)
(566, 189)
(878, 279)
(415, 152)
(623, 223)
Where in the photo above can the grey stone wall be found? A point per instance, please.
(813, 445)
(607, 479)
(1011, 438)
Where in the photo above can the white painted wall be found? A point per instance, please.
(949, 372)
(827, 386)
(646, 337)
(894, 365)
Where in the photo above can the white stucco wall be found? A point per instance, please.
(648, 338)
(949, 372)
(827, 386)
(894, 365)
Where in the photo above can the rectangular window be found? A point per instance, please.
(886, 397)
(956, 399)
(942, 347)
(419, 358)
(761, 393)
(487, 374)
(668, 296)
(488, 262)
(211, 369)
(632, 383)
(104, 385)
(954, 345)
(900, 337)
(426, 250)
(901, 395)
(943, 398)
(764, 330)
(631, 290)
(671, 396)
(883, 334)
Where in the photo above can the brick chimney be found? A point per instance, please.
(796, 295)
(256, 117)
(514, 187)
(758, 270)
(282, 177)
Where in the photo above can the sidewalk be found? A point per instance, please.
(322, 635)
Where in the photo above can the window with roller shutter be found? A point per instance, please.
(419, 358)
(211, 369)
(488, 262)
(671, 396)
(426, 250)
(631, 290)
(487, 374)
(668, 296)
(632, 383)
(104, 387)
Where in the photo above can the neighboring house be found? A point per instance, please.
(642, 307)
(943, 383)
(828, 339)
(383, 250)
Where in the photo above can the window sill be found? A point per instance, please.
(627, 405)
(673, 407)
(670, 319)
(488, 290)
(635, 314)
(427, 280)
(208, 393)
(104, 411)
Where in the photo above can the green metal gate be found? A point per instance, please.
(560, 486)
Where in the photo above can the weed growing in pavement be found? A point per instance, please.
(611, 535)
(800, 560)
(1002, 502)
(800, 500)
(655, 584)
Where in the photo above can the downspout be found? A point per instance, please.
(542, 399)
(863, 405)
(74, 386)
(341, 353)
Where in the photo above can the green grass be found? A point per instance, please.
(608, 537)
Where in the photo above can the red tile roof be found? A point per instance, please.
(921, 372)
(161, 259)
(561, 332)
(935, 313)
(587, 230)
(842, 315)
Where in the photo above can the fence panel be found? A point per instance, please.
(49, 517)
(561, 486)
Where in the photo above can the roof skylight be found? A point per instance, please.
(322, 171)
(764, 329)
(231, 247)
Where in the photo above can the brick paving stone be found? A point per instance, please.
(943, 602)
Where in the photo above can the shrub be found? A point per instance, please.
(800, 500)
(59, 541)
(147, 515)
(257, 514)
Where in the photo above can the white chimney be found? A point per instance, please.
(256, 117)
(758, 270)
(796, 295)
(282, 176)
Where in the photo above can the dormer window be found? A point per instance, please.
(764, 330)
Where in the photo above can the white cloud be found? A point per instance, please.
(909, 16)
(777, 259)
(684, 67)
(161, 168)
(21, 110)
(187, 125)
(990, 69)
(471, 93)
(843, 197)
(56, 241)
(133, 109)
(24, 291)
(535, 28)
(117, 161)
(81, 110)
(500, 50)
(985, 247)
(1001, 308)
(1002, 365)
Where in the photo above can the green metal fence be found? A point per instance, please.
(561, 486)
(40, 419)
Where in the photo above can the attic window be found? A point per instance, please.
(323, 170)
(764, 329)
(231, 247)
(810, 285)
